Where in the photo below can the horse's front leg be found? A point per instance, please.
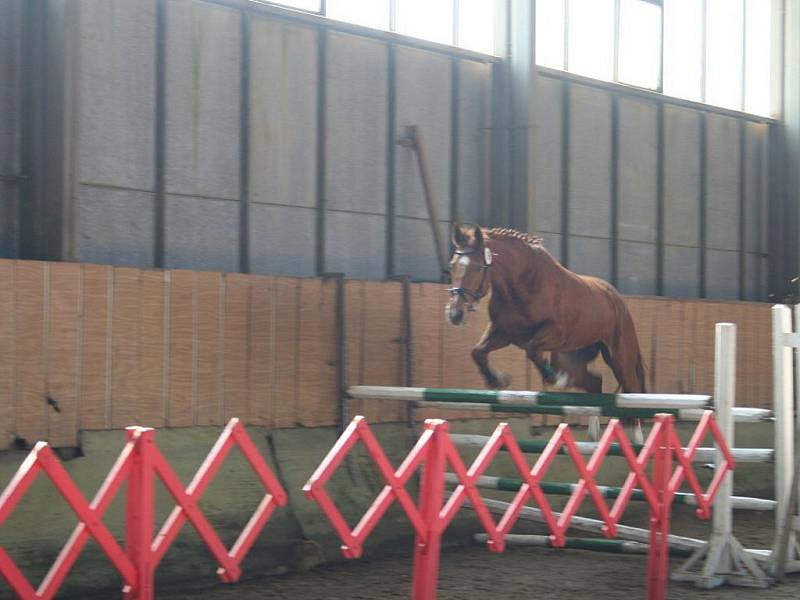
(490, 341)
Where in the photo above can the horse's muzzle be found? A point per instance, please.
(455, 313)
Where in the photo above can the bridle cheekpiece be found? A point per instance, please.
(475, 296)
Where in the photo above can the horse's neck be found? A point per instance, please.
(517, 266)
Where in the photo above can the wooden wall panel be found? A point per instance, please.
(181, 409)
(427, 326)
(261, 353)
(30, 318)
(125, 339)
(383, 352)
(63, 353)
(209, 392)
(118, 346)
(287, 311)
(7, 354)
(355, 301)
(318, 401)
(237, 332)
(154, 348)
(95, 390)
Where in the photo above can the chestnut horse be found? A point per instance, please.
(538, 305)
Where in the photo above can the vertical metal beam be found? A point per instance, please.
(322, 42)
(660, 227)
(391, 145)
(565, 152)
(33, 94)
(455, 92)
(703, 199)
(614, 191)
(244, 145)
(742, 206)
(160, 137)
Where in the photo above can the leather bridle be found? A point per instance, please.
(467, 293)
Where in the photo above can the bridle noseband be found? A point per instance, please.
(465, 292)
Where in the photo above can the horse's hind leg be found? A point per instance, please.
(575, 364)
(623, 363)
(490, 341)
(575, 367)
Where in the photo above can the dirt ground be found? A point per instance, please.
(474, 573)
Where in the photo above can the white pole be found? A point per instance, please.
(783, 405)
(724, 400)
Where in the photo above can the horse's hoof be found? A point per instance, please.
(500, 382)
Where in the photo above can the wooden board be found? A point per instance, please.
(7, 354)
(287, 315)
(154, 348)
(209, 392)
(95, 390)
(30, 316)
(261, 353)
(63, 353)
(237, 332)
(182, 335)
(125, 339)
(318, 394)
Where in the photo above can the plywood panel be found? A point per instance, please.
(261, 354)
(209, 349)
(237, 331)
(182, 408)
(427, 318)
(287, 307)
(7, 354)
(318, 392)
(154, 349)
(125, 340)
(383, 329)
(31, 325)
(95, 391)
(354, 342)
(63, 352)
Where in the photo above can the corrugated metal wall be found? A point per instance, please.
(11, 124)
(226, 135)
(318, 111)
(656, 197)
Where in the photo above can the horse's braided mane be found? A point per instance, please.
(505, 232)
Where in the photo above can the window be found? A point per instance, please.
(309, 5)
(369, 14)
(713, 51)
(639, 45)
(590, 44)
(468, 24)
(683, 49)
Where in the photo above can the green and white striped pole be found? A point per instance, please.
(685, 407)
(703, 455)
(509, 484)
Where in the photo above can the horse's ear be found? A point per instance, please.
(460, 238)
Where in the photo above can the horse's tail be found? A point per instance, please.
(640, 372)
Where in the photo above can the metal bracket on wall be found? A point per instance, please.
(411, 140)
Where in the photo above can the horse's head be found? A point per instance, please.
(469, 272)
